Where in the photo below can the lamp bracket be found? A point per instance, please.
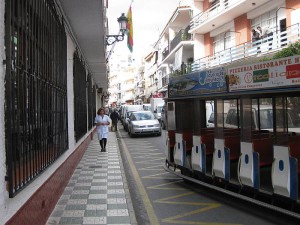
(111, 39)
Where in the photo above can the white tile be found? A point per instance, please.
(77, 202)
(99, 180)
(116, 201)
(97, 196)
(117, 212)
(73, 213)
(116, 191)
(80, 192)
(94, 220)
(99, 187)
(115, 183)
(96, 207)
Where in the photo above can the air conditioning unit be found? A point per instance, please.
(100, 90)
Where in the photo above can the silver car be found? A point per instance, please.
(143, 122)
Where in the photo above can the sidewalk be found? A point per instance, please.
(97, 192)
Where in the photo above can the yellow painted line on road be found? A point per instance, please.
(178, 218)
(147, 203)
(161, 186)
(147, 155)
(151, 160)
(151, 168)
(157, 176)
(165, 200)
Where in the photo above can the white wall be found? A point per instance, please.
(3, 192)
(70, 91)
(199, 50)
(9, 206)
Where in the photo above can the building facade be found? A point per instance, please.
(122, 72)
(202, 34)
(53, 80)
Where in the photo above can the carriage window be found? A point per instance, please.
(231, 118)
(266, 119)
(293, 118)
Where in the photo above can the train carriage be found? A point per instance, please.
(254, 143)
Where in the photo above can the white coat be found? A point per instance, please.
(102, 130)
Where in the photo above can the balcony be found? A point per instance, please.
(183, 35)
(265, 46)
(220, 13)
(165, 52)
(165, 80)
(128, 87)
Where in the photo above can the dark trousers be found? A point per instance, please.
(114, 125)
(103, 142)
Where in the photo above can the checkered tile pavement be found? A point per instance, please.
(97, 192)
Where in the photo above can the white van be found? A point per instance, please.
(130, 108)
(147, 107)
(157, 111)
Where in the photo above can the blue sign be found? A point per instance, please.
(202, 82)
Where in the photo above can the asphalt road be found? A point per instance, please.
(160, 197)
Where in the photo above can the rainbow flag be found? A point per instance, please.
(129, 30)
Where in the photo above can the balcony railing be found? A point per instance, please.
(214, 10)
(183, 35)
(165, 80)
(165, 52)
(250, 49)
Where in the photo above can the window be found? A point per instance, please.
(223, 41)
(265, 20)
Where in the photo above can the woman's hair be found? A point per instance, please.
(99, 110)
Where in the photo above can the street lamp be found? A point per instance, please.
(111, 39)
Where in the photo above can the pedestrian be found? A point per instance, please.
(183, 68)
(267, 35)
(256, 39)
(114, 116)
(102, 122)
(255, 36)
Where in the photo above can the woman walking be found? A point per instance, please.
(102, 121)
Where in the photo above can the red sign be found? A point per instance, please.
(293, 71)
(157, 95)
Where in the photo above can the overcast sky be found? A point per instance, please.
(149, 19)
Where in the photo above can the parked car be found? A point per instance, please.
(129, 108)
(126, 120)
(143, 122)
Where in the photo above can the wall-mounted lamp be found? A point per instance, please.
(111, 39)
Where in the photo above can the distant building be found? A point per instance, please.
(121, 79)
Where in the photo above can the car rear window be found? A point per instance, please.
(144, 116)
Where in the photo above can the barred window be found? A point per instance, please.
(36, 124)
(80, 99)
